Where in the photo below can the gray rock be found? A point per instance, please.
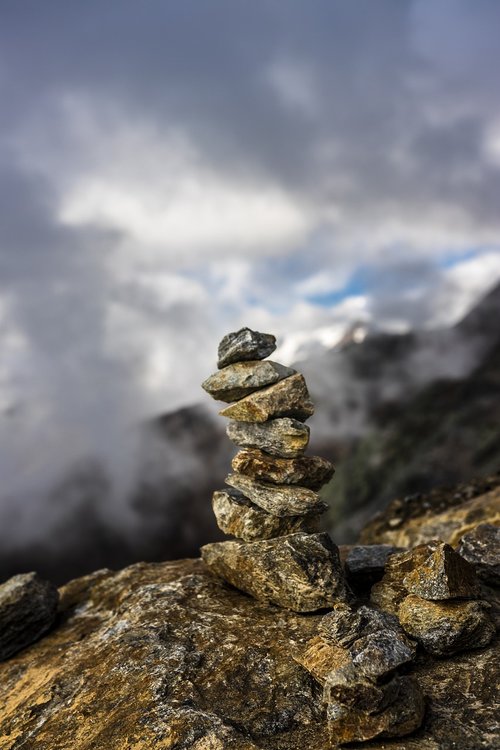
(307, 471)
(481, 548)
(286, 437)
(244, 345)
(279, 500)
(301, 572)
(242, 378)
(238, 516)
(28, 607)
(286, 398)
(365, 564)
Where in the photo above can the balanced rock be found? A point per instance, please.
(307, 471)
(481, 548)
(286, 438)
(446, 627)
(28, 607)
(279, 500)
(432, 571)
(242, 378)
(244, 345)
(301, 572)
(286, 398)
(238, 516)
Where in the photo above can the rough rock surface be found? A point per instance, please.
(355, 658)
(238, 516)
(143, 660)
(307, 471)
(431, 571)
(301, 572)
(278, 500)
(244, 345)
(448, 626)
(28, 607)
(481, 548)
(442, 514)
(287, 398)
(286, 437)
(242, 378)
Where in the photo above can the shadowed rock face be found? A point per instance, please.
(28, 607)
(481, 548)
(168, 657)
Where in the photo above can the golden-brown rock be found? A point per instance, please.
(287, 398)
(432, 571)
(301, 572)
(238, 516)
(168, 657)
(279, 437)
(307, 471)
(446, 627)
(284, 500)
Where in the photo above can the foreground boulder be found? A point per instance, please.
(169, 657)
(28, 607)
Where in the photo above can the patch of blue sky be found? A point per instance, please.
(355, 286)
(452, 258)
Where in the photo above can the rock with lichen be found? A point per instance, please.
(286, 398)
(279, 500)
(285, 438)
(242, 378)
(301, 572)
(244, 345)
(307, 471)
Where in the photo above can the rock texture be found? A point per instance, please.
(28, 607)
(278, 501)
(244, 345)
(237, 516)
(287, 398)
(365, 564)
(242, 378)
(286, 438)
(306, 471)
(169, 657)
(481, 548)
(301, 572)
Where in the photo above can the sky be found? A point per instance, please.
(171, 171)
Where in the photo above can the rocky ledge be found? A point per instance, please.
(168, 656)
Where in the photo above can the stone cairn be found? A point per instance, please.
(271, 506)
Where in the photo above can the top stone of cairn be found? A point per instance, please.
(245, 345)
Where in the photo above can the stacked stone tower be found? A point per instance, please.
(271, 506)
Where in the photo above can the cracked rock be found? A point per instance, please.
(281, 500)
(287, 438)
(287, 398)
(307, 471)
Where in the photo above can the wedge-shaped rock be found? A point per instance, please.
(287, 398)
(286, 438)
(242, 378)
(307, 471)
(28, 607)
(481, 548)
(301, 572)
(446, 627)
(279, 500)
(244, 345)
(432, 571)
(238, 516)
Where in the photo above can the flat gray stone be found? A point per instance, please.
(244, 345)
(285, 437)
(236, 381)
(481, 548)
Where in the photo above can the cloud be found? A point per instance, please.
(171, 171)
